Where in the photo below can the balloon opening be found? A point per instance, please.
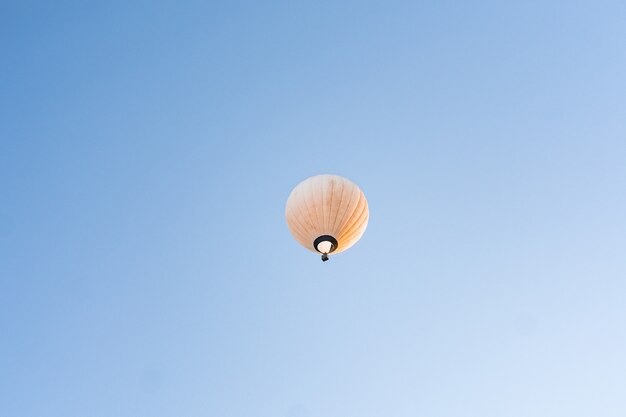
(325, 244)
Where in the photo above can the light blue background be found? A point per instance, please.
(146, 153)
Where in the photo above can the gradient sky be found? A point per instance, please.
(147, 150)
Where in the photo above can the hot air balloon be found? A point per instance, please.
(327, 214)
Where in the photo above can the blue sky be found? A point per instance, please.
(147, 150)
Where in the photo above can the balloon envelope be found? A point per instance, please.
(327, 205)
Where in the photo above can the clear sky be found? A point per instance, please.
(147, 150)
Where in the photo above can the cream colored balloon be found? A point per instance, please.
(327, 214)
